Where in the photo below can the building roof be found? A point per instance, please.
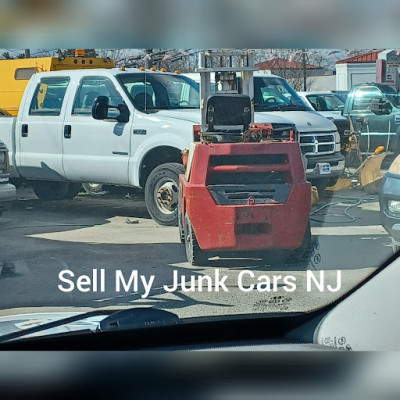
(283, 63)
(370, 57)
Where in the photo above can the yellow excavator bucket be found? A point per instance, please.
(370, 172)
(341, 184)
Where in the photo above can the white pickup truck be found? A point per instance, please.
(114, 126)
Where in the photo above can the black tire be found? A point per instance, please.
(92, 188)
(161, 193)
(301, 256)
(194, 254)
(73, 189)
(321, 184)
(180, 223)
(46, 190)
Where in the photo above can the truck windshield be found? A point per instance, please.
(275, 94)
(152, 92)
(391, 94)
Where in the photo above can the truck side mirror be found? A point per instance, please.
(123, 113)
(100, 107)
(380, 106)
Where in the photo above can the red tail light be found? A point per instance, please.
(196, 133)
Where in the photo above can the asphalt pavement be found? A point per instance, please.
(112, 236)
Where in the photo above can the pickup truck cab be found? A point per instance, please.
(374, 110)
(319, 137)
(7, 191)
(113, 126)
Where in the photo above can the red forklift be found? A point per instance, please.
(244, 187)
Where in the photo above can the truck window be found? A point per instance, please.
(151, 92)
(325, 102)
(273, 94)
(24, 73)
(49, 96)
(363, 98)
(92, 87)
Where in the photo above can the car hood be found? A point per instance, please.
(15, 323)
(306, 121)
(193, 116)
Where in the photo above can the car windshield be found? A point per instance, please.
(151, 92)
(275, 94)
(326, 102)
(138, 213)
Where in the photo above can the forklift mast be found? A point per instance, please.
(226, 66)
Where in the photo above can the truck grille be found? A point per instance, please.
(317, 143)
(3, 161)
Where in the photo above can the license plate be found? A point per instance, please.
(324, 168)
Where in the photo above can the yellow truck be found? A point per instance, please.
(15, 74)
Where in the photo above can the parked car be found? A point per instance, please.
(389, 200)
(7, 191)
(327, 103)
(330, 105)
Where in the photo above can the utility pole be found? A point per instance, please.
(304, 71)
(27, 53)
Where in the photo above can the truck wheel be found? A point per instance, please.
(73, 189)
(194, 254)
(180, 224)
(321, 184)
(161, 193)
(301, 256)
(92, 187)
(50, 190)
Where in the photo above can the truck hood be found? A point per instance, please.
(193, 116)
(305, 121)
(333, 115)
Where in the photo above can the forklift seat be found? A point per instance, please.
(228, 110)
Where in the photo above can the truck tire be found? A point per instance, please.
(180, 223)
(301, 256)
(321, 184)
(73, 189)
(194, 254)
(161, 193)
(92, 188)
(49, 190)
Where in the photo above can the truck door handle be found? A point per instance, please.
(67, 131)
(24, 130)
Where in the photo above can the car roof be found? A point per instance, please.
(316, 92)
(99, 71)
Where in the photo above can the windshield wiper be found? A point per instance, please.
(132, 318)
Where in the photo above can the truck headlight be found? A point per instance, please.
(337, 142)
(394, 206)
(395, 166)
